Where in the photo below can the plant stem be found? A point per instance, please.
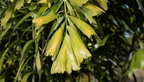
(141, 6)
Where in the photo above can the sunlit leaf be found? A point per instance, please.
(95, 10)
(58, 65)
(78, 2)
(11, 0)
(65, 60)
(46, 2)
(44, 19)
(70, 9)
(63, 42)
(89, 14)
(55, 42)
(84, 27)
(71, 61)
(19, 4)
(43, 1)
(80, 50)
(28, 1)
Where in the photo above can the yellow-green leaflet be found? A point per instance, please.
(55, 42)
(103, 3)
(43, 1)
(70, 9)
(10, 10)
(28, 1)
(38, 61)
(19, 4)
(65, 60)
(79, 48)
(84, 27)
(71, 61)
(137, 61)
(54, 9)
(78, 2)
(25, 78)
(7, 16)
(88, 14)
(46, 2)
(58, 65)
(11, 0)
(44, 19)
(42, 9)
(95, 9)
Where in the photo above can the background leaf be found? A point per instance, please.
(25, 78)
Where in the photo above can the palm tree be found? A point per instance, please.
(68, 40)
(32, 30)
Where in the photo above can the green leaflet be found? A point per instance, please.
(2, 2)
(42, 10)
(2, 79)
(7, 27)
(54, 9)
(22, 20)
(137, 61)
(84, 27)
(26, 49)
(38, 61)
(44, 19)
(21, 67)
(3, 57)
(4, 54)
(55, 25)
(102, 42)
(23, 60)
(16, 4)
(89, 14)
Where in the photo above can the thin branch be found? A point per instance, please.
(141, 6)
(135, 79)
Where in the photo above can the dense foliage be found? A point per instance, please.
(68, 40)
